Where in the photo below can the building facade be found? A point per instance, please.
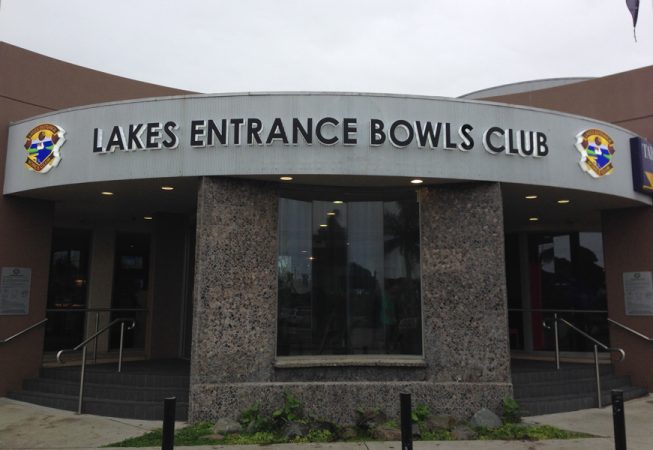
(342, 247)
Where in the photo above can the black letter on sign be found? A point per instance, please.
(153, 133)
(219, 133)
(468, 141)
(318, 131)
(377, 136)
(349, 126)
(298, 129)
(487, 140)
(116, 139)
(134, 137)
(427, 134)
(169, 128)
(236, 123)
(97, 140)
(197, 133)
(542, 148)
(277, 132)
(409, 133)
(254, 128)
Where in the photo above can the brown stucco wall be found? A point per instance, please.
(627, 248)
(32, 84)
(625, 99)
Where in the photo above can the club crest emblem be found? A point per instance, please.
(42, 145)
(596, 149)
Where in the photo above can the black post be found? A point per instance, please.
(406, 423)
(619, 420)
(168, 434)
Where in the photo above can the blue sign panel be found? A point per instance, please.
(642, 160)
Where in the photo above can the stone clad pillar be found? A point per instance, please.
(235, 305)
(466, 360)
(464, 284)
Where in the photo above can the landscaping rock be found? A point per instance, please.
(416, 431)
(463, 433)
(438, 423)
(485, 418)
(295, 429)
(371, 418)
(226, 425)
(348, 433)
(386, 433)
(217, 437)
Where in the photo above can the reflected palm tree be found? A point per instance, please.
(402, 233)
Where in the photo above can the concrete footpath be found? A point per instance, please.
(25, 426)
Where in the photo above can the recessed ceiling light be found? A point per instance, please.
(533, 219)
(312, 258)
(167, 188)
(285, 178)
(338, 202)
(107, 193)
(564, 201)
(417, 181)
(331, 213)
(148, 217)
(323, 225)
(531, 197)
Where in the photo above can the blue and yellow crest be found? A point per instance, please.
(42, 145)
(596, 149)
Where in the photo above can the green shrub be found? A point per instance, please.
(420, 413)
(511, 411)
(290, 412)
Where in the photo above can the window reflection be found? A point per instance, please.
(349, 276)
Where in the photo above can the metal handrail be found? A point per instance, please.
(597, 344)
(83, 344)
(97, 312)
(549, 310)
(20, 333)
(636, 333)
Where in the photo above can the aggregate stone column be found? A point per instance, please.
(464, 286)
(235, 305)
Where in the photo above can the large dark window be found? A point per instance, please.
(349, 275)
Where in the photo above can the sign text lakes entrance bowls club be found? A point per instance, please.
(327, 131)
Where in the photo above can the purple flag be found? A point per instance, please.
(633, 7)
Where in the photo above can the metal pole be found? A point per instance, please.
(97, 328)
(618, 420)
(122, 337)
(557, 341)
(81, 382)
(406, 423)
(168, 433)
(598, 376)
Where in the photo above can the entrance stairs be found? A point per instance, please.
(539, 388)
(137, 392)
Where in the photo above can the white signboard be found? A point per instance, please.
(14, 290)
(638, 293)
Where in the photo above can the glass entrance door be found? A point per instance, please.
(559, 273)
(67, 288)
(130, 286)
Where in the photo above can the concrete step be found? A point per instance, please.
(116, 391)
(102, 406)
(535, 406)
(548, 373)
(137, 392)
(567, 387)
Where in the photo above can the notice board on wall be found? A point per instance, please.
(638, 293)
(14, 290)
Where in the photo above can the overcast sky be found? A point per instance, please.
(434, 47)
